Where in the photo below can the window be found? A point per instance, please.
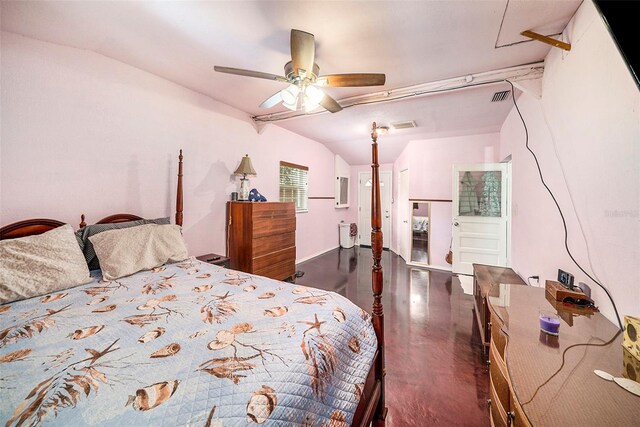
(293, 185)
(342, 192)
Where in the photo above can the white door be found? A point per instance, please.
(364, 207)
(480, 216)
(404, 216)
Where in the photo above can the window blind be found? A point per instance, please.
(293, 185)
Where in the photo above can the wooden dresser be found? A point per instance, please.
(261, 238)
(542, 380)
(484, 277)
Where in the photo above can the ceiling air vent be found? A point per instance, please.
(404, 125)
(500, 96)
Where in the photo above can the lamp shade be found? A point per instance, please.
(245, 168)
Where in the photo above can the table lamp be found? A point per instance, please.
(245, 168)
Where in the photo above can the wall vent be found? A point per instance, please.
(404, 125)
(501, 96)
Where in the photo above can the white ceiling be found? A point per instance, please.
(412, 42)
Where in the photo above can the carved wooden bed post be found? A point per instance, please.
(179, 192)
(376, 277)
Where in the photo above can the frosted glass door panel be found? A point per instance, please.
(480, 193)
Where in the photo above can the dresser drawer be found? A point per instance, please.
(269, 244)
(263, 227)
(279, 271)
(273, 209)
(519, 417)
(271, 219)
(498, 378)
(261, 263)
(496, 411)
(497, 336)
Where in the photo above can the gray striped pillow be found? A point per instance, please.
(83, 234)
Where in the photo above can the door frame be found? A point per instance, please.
(429, 235)
(386, 242)
(404, 232)
(505, 210)
(507, 161)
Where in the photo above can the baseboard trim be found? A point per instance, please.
(301, 260)
(369, 247)
(430, 266)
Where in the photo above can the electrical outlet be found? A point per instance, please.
(565, 278)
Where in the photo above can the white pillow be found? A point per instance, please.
(128, 250)
(37, 265)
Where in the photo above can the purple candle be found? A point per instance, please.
(549, 322)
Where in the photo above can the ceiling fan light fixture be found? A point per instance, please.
(292, 107)
(309, 107)
(290, 96)
(312, 97)
(382, 130)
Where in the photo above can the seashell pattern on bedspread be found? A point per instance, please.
(186, 344)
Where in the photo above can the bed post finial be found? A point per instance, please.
(376, 276)
(82, 223)
(179, 192)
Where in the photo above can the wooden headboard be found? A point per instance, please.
(30, 227)
(123, 217)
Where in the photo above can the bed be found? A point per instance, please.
(190, 343)
(420, 224)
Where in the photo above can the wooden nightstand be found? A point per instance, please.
(215, 259)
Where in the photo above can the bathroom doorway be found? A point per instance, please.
(420, 232)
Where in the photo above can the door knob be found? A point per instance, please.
(456, 223)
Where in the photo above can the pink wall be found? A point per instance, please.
(82, 133)
(586, 133)
(430, 163)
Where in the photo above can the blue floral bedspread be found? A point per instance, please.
(184, 344)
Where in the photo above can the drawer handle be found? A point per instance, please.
(511, 416)
(489, 403)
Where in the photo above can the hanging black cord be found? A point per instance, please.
(564, 222)
(564, 353)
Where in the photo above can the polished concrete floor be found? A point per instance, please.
(419, 249)
(436, 375)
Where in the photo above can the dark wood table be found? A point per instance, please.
(215, 259)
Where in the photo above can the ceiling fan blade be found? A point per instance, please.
(330, 104)
(303, 51)
(249, 73)
(274, 99)
(351, 80)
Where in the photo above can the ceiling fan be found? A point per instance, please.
(304, 91)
